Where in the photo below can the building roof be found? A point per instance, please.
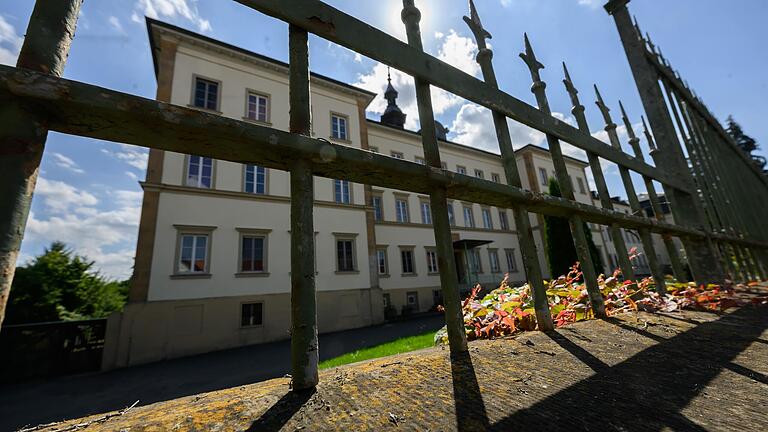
(153, 24)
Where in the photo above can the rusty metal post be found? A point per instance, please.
(576, 222)
(669, 244)
(522, 223)
(23, 134)
(304, 344)
(634, 203)
(686, 209)
(454, 318)
(597, 172)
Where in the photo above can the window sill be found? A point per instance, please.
(437, 273)
(258, 122)
(198, 186)
(340, 140)
(350, 272)
(384, 275)
(191, 276)
(204, 109)
(409, 275)
(252, 327)
(251, 274)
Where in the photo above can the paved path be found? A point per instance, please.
(78, 396)
(690, 371)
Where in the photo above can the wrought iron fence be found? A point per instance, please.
(714, 222)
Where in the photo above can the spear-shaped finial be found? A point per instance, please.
(677, 75)
(389, 76)
(476, 26)
(529, 57)
(569, 87)
(661, 58)
(650, 43)
(603, 107)
(627, 123)
(648, 136)
(637, 27)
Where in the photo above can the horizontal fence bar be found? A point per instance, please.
(81, 109)
(329, 23)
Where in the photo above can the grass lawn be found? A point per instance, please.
(402, 345)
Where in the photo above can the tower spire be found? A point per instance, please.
(393, 115)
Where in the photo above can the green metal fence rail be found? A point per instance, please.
(711, 196)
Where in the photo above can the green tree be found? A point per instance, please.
(558, 241)
(60, 285)
(745, 142)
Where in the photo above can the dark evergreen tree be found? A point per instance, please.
(59, 285)
(745, 143)
(558, 241)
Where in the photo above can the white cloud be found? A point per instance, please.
(61, 197)
(131, 175)
(186, 9)
(133, 156)
(105, 236)
(10, 43)
(115, 23)
(66, 163)
(454, 49)
(590, 3)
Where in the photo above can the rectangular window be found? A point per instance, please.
(381, 261)
(255, 179)
(342, 191)
(479, 174)
(495, 178)
(432, 261)
(253, 254)
(345, 255)
(451, 216)
(493, 258)
(412, 299)
(544, 177)
(258, 106)
(406, 261)
(385, 299)
(193, 256)
(487, 220)
(206, 94)
(251, 314)
(469, 218)
(401, 210)
(461, 169)
(475, 262)
(199, 172)
(378, 211)
(339, 129)
(420, 161)
(511, 263)
(580, 181)
(397, 155)
(426, 213)
(503, 220)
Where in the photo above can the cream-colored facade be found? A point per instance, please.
(213, 256)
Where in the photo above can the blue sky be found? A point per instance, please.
(88, 194)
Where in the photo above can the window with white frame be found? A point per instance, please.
(432, 261)
(412, 299)
(495, 178)
(257, 107)
(451, 215)
(475, 262)
(503, 221)
(339, 127)
(426, 212)
(487, 219)
(253, 252)
(342, 191)
(345, 255)
(580, 181)
(406, 262)
(544, 177)
(493, 259)
(397, 155)
(469, 217)
(420, 160)
(193, 253)
(199, 172)
(479, 174)
(255, 179)
(401, 209)
(378, 210)
(461, 169)
(251, 314)
(206, 94)
(511, 262)
(381, 261)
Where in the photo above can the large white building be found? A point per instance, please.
(213, 257)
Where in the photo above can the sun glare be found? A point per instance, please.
(395, 24)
